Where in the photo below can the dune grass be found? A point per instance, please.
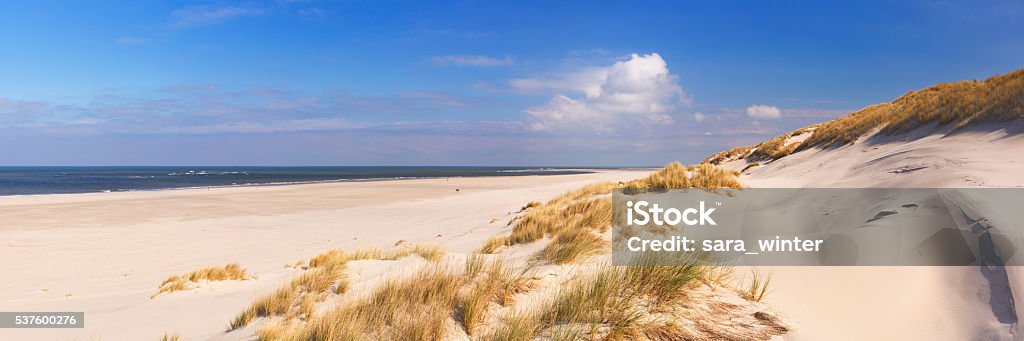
(426, 305)
(954, 104)
(757, 288)
(570, 245)
(572, 210)
(171, 337)
(530, 205)
(614, 303)
(517, 326)
(190, 280)
(417, 307)
(574, 218)
(677, 176)
(324, 276)
(495, 283)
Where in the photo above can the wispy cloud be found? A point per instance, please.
(202, 15)
(472, 60)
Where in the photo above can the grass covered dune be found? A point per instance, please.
(549, 278)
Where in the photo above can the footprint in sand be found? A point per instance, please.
(881, 215)
(911, 206)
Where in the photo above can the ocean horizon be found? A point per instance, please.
(35, 180)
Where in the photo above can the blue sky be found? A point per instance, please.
(463, 83)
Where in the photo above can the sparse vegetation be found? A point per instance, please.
(572, 210)
(530, 205)
(416, 307)
(572, 244)
(573, 218)
(325, 275)
(517, 326)
(190, 280)
(623, 302)
(757, 288)
(412, 308)
(171, 337)
(676, 176)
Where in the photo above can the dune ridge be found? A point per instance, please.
(952, 106)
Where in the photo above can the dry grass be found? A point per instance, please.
(530, 205)
(422, 306)
(676, 176)
(757, 288)
(728, 155)
(619, 302)
(955, 104)
(495, 283)
(570, 245)
(417, 307)
(517, 327)
(190, 280)
(324, 276)
(574, 218)
(572, 210)
(171, 337)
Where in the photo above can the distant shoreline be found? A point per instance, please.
(511, 172)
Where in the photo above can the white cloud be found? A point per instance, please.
(699, 117)
(472, 60)
(208, 15)
(640, 90)
(764, 112)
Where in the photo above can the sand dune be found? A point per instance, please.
(933, 303)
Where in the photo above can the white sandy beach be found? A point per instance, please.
(106, 253)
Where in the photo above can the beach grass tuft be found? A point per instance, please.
(757, 288)
(190, 280)
(174, 336)
(324, 276)
(571, 245)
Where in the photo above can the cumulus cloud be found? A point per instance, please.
(640, 90)
(699, 117)
(472, 60)
(202, 15)
(760, 111)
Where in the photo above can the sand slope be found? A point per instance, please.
(920, 303)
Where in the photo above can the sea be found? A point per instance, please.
(53, 180)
